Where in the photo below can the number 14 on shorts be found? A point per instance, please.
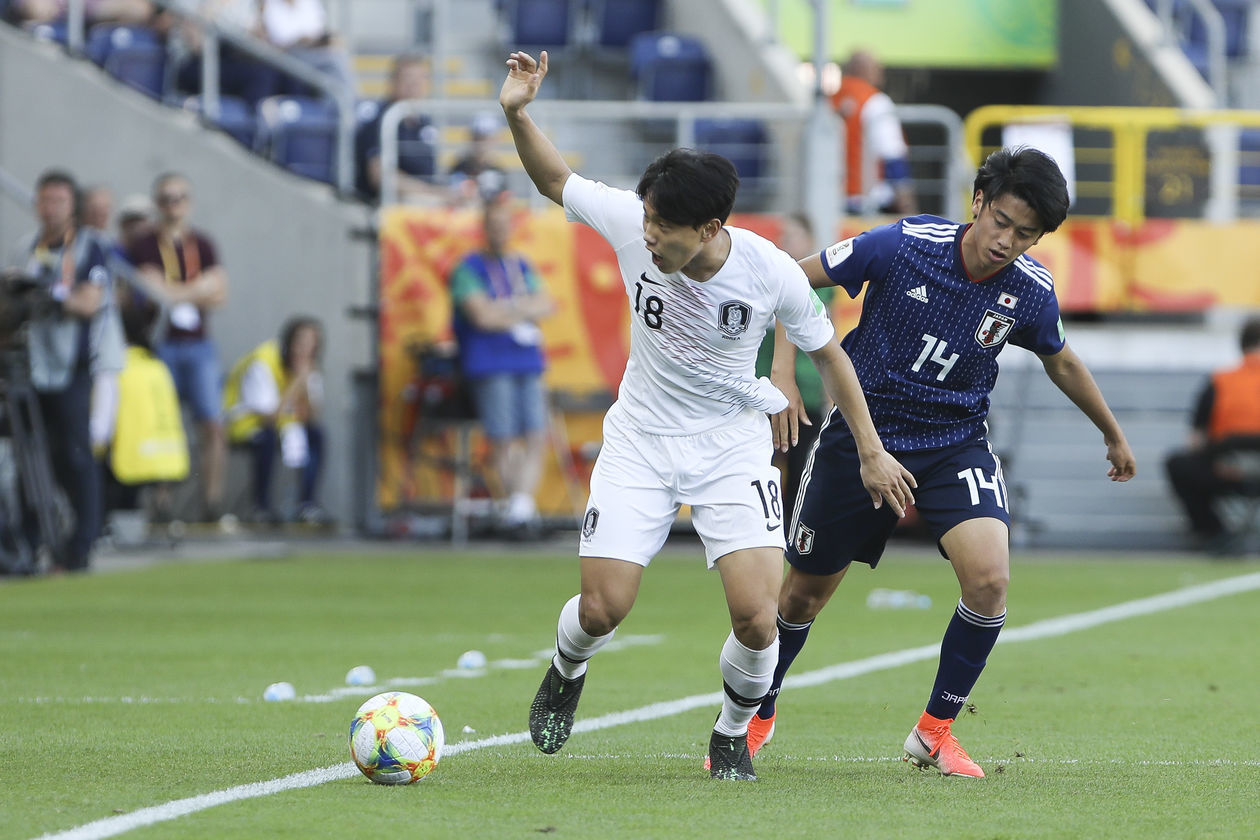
(977, 481)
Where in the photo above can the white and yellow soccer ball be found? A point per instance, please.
(396, 738)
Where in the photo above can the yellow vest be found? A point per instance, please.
(149, 442)
(243, 424)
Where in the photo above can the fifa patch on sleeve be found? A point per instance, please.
(838, 253)
(820, 308)
(1062, 333)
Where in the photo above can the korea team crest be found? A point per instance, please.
(994, 328)
(734, 317)
(589, 523)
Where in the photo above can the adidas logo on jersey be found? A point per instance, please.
(919, 293)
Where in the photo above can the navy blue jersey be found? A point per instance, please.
(926, 346)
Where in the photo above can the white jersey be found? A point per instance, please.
(693, 345)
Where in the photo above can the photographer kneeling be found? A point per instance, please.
(72, 335)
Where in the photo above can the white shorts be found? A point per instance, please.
(641, 480)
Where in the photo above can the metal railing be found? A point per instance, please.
(214, 36)
(1214, 28)
(679, 117)
(788, 123)
(1122, 163)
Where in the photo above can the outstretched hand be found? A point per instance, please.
(524, 77)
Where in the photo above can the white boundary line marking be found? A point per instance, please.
(1048, 628)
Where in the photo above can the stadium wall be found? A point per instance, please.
(286, 243)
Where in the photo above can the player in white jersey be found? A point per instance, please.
(689, 424)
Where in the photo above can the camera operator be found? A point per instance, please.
(72, 335)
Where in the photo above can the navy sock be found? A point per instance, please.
(964, 650)
(791, 640)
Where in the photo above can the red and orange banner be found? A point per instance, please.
(1098, 266)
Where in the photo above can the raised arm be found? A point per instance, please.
(542, 161)
(1069, 374)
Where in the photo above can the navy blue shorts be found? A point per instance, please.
(836, 524)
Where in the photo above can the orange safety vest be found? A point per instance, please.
(848, 102)
(1236, 403)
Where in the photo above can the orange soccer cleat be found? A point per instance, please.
(931, 744)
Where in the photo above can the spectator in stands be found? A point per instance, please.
(876, 166)
(417, 139)
(300, 28)
(797, 239)
(476, 177)
(498, 299)
(72, 337)
(272, 403)
(97, 11)
(135, 219)
(1226, 422)
(178, 267)
(240, 74)
(98, 210)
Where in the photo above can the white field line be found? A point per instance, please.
(113, 826)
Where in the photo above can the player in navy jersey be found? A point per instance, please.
(942, 300)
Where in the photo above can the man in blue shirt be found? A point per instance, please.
(498, 300)
(942, 300)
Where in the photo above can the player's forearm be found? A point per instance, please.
(1074, 379)
(845, 390)
(541, 159)
(783, 362)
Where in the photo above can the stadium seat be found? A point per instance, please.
(1249, 158)
(745, 143)
(236, 118)
(538, 23)
(669, 68)
(301, 134)
(57, 31)
(1235, 14)
(132, 54)
(614, 23)
(741, 141)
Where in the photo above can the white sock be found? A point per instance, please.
(746, 675)
(573, 644)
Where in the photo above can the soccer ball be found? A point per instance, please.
(396, 738)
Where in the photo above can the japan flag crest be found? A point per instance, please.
(1007, 300)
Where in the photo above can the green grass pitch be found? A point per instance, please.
(130, 690)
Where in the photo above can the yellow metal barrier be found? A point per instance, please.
(1128, 154)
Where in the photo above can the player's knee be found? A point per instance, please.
(598, 615)
(986, 593)
(754, 627)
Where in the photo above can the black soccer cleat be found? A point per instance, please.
(729, 758)
(551, 713)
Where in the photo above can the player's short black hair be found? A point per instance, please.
(690, 187)
(290, 329)
(1029, 174)
(1249, 339)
